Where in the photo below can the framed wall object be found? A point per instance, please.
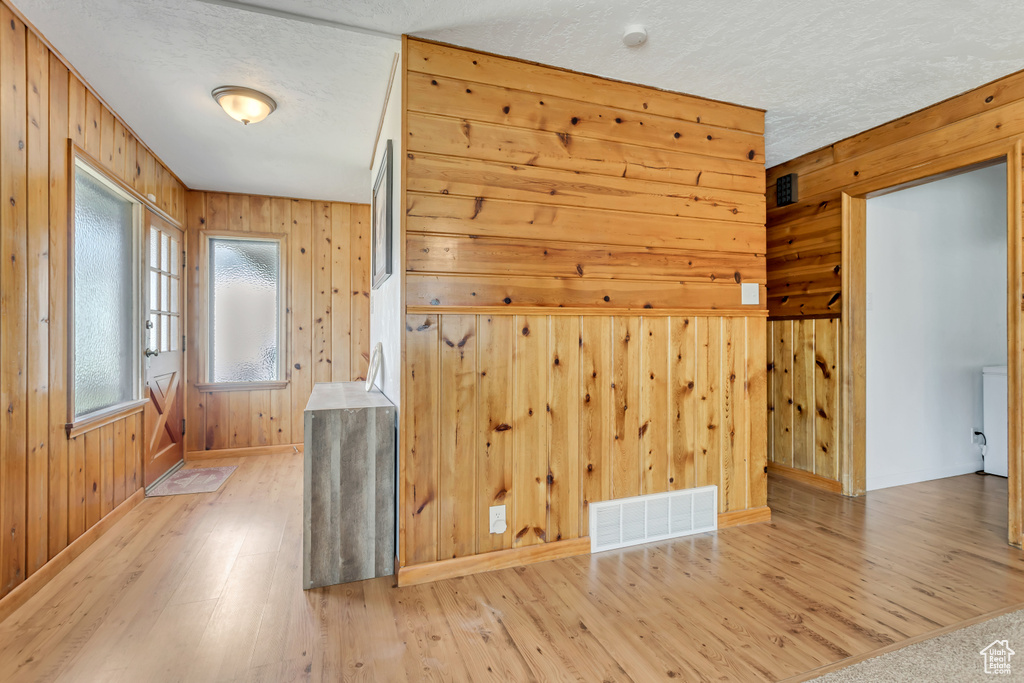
(382, 246)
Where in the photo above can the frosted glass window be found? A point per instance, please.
(245, 298)
(105, 272)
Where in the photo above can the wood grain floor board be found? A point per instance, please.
(208, 587)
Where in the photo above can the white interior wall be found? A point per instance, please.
(936, 314)
(386, 300)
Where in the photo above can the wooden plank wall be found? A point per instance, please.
(547, 413)
(803, 395)
(574, 328)
(52, 490)
(805, 239)
(328, 315)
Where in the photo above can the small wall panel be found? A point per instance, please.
(326, 344)
(803, 395)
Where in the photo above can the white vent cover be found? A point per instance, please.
(642, 519)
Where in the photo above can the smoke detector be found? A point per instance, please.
(635, 35)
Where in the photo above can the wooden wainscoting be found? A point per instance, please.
(328, 314)
(43, 482)
(545, 414)
(803, 396)
(575, 249)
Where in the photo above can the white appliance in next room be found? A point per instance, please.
(993, 391)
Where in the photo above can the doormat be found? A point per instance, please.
(203, 480)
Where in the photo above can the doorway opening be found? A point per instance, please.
(936, 351)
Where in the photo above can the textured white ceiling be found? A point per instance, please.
(823, 69)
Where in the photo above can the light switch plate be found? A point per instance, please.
(498, 524)
(750, 293)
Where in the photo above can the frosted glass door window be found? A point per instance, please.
(105, 369)
(245, 309)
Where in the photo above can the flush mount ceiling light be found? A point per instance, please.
(244, 104)
(635, 35)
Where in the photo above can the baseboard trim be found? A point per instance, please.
(741, 517)
(809, 478)
(283, 449)
(36, 581)
(487, 562)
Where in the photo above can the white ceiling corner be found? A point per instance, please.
(822, 69)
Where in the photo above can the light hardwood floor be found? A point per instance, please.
(207, 588)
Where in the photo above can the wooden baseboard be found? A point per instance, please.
(740, 517)
(517, 557)
(35, 582)
(284, 449)
(486, 562)
(810, 479)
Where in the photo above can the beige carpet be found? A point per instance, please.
(952, 657)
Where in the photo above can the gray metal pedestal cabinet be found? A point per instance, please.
(349, 485)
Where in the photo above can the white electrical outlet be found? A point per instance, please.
(498, 525)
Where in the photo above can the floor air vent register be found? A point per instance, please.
(655, 517)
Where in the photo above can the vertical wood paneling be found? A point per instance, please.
(360, 259)
(58, 306)
(530, 446)
(13, 302)
(195, 404)
(322, 347)
(457, 516)
(803, 394)
(683, 407)
(707, 466)
(321, 288)
(826, 398)
(596, 419)
(341, 298)
(655, 448)
(626, 399)
(52, 489)
(37, 141)
(804, 391)
(495, 417)
(757, 404)
(420, 514)
(733, 488)
(301, 275)
(280, 399)
(542, 409)
(563, 409)
(782, 392)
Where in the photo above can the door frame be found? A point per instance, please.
(853, 352)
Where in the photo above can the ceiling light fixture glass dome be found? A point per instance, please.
(244, 104)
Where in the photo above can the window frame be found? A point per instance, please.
(204, 352)
(79, 160)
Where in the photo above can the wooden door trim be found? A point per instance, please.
(853, 380)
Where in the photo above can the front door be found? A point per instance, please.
(164, 350)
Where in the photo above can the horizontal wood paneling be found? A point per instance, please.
(601, 407)
(804, 240)
(495, 149)
(574, 249)
(328, 313)
(803, 396)
(47, 498)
